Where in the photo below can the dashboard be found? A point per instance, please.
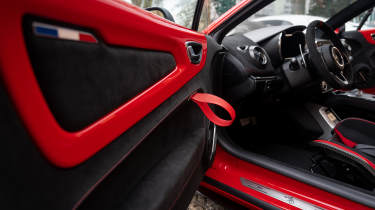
(258, 61)
(280, 42)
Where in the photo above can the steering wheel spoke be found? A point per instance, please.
(328, 56)
(341, 77)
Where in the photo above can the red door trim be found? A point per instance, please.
(367, 34)
(118, 23)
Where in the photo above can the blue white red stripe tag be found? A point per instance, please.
(46, 30)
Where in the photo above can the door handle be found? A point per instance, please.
(373, 36)
(194, 52)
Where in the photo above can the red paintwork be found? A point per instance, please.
(367, 34)
(203, 99)
(87, 38)
(229, 196)
(118, 23)
(369, 90)
(225, 16)
(228, 169)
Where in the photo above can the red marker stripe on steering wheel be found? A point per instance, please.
(203, 99)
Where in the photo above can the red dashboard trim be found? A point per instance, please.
(118, 23)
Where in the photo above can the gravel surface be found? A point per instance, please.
(201, 202)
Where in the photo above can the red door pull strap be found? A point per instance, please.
(203, 99)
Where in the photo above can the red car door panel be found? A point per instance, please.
(104, 121)
(70, 148)
(363, 51)
(370, 37)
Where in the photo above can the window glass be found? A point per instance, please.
(213, 9)
(181, 10)
(354, 23)
(292, 12)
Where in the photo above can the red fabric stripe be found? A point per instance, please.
(346, 141)
(203, 99)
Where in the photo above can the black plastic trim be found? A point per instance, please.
(197, 15)
(350, 12)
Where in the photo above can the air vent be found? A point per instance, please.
(259, 56)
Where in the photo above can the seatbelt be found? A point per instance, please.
(203, 99)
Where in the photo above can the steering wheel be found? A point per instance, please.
(329, 57)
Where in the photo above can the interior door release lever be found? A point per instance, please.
(194, 51)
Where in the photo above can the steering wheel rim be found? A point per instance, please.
(331, 61)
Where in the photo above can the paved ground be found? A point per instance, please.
(201, 202)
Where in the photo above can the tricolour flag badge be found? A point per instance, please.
(47, 30)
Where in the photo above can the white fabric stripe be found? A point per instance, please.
(64, 33)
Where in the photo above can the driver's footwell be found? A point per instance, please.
(295, 155)
(286, 137)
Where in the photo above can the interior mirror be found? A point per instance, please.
(162, 12)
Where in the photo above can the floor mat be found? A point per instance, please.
(294, 155)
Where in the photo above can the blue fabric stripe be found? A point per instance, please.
(45, 31)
